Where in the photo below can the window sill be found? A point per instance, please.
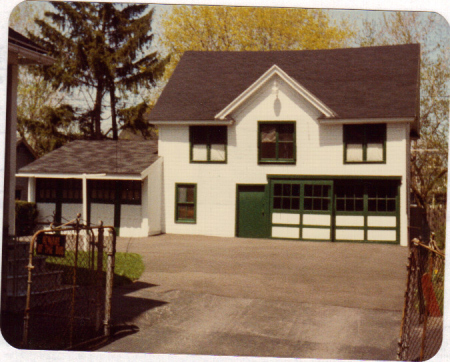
(185, 222)
(276, 162)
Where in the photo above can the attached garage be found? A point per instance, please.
(362, 209)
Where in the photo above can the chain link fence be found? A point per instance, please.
(60, 282)
(422, 322)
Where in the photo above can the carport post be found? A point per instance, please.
(85, 206)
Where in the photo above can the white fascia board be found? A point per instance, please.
(32, 56)
(147, 171)
(275, 70)
(99, 176)
(366, 120)
(227, 122)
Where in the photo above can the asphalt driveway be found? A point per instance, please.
(248, 297)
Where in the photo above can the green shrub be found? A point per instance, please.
(26, 218)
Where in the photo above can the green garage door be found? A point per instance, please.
(252, 216)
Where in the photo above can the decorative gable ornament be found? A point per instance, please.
(266, 77)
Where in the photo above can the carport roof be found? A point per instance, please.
(121, 157)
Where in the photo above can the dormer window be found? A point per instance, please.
(208, 144)
(365, 143)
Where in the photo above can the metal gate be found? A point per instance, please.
(70, 277)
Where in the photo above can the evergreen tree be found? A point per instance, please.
(100, 47)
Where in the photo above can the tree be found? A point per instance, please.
(246, 28)
(99, 47)
(429, 154)
(43, 118)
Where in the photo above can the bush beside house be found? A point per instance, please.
(26, 217)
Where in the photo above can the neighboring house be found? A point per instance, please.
(24, 156)
(21, 51)
(117, 182)
(303, 145)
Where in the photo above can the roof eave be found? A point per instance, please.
(334, 121)
(215, 122)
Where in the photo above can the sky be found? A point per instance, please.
(9, 354)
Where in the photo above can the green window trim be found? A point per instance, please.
(186, 203)
(283, 139)
(312, 197)
(209, 137)
(361, 136)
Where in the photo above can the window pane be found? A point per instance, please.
(295, 190)
(190, 210)
(286, 190)
(307, 204)
(308, 190)
(286, 132)
(286, 150)
(268, 150)
(277, 190)
(340, 205)
(182, 212)
(295, 203)
(182, 194)
(375, 133)
(198, 134)
(359, 205)
(268, 133)
(217, 134)
(354, 134)
(199, 153)
(190, 194)
(277, 202)
(217, 152)
(354, 152)
(286, 203)
(374, 152)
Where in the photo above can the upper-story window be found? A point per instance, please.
(208, 143)
(276, 142)
(364, 143)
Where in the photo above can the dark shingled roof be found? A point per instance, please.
(372, 82)
(110, 157)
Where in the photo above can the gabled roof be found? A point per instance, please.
(372, 82)
(95, 157)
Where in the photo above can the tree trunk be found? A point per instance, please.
(112, 93)
(97, 112)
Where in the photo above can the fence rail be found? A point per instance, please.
(422, 322)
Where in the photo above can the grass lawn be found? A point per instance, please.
(128, 267)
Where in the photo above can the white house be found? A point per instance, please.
(303, 145)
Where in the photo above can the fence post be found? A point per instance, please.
(74, 279)
(111, 250)
(99, 276)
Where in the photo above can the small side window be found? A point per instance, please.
(185, 203)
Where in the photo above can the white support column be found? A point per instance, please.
(31, 189)
(85, 205)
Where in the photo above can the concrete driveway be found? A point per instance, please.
(249, 297)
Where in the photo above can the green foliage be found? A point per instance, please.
(132, 119)
(26, 218)
(99, 47)
(128, 268)
(429, 154)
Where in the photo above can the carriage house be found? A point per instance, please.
(303, 145)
